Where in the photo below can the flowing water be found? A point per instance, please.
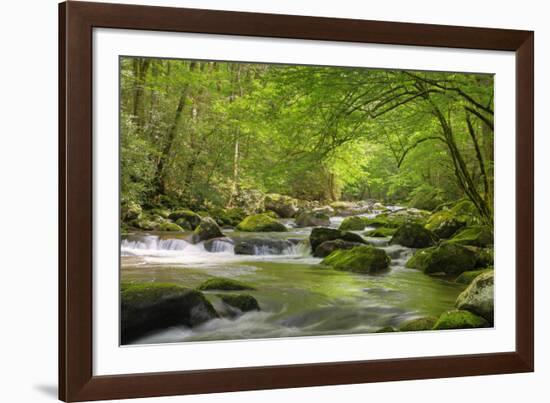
(297, 296)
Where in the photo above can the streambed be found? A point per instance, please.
(297, 296)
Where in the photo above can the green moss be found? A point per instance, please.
(149, 306)
(418, 324)
(413, 235)
(468, 276)
(381, 232)
(169, 226)
(360, 259)
(260, 223)
(243, 302)
(322, 234)
(444, 224)
(224, 284)
(459, 319)
(227, 217)
(478, 235)
(426, 198)
(181, 215)
(207, 229)
(353, 223)
(162, 212)
(446, 258)
(479, 296)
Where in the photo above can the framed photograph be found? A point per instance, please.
(253, 201)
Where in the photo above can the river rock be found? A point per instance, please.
(223, 284)
(444, 224)
(445, 258)
(243, 302)
(312, 219)
(353, 223)
(327, 247)
(321, 234)
(478, 235)
(262, 246)
(380, 232)
(151, 306)
(169, 226)
(183, 216)
(459, 319)
(218, 244)
(130, 211)
(468, 276)
(260, 223)
(413, 235)
(284, 206)
(418, 324)
(364, 259)
(479, 296)
(207, 229)
(325, 210)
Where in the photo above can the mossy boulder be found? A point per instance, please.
(151, 306)
(448, 258)
(312, 219)
(327, 247)
(478, 235)
(260, 223)
(224, 284)
(413, 235)
(130, 211)
(183, 215)
(144, 223)
(227, 217)
(161, 212)
(243, 302)
(262, 246)
(207, 229)
(468, 276)
(284, 206)
(322, 234)
(459, 319)
(381, 232)
(353, 223)
(426, 198)
(418, 324)
(362, 259)
(479, 296)
(169, 226)
(444, 224)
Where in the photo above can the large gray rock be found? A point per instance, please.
(151, 306)
(284, 206)
(479, 296)
(207, 229)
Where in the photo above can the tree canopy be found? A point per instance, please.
(204, 134)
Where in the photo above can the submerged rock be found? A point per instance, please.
(224, 284)
(260, 223)
(284, 206)
(459, 319)
(243, 302)
(321, 234)
(413, 235)
(151, 306)
(479, 296)
(207, 229)
(183, 216)
(312, 219)
(418, 324)
(362, 259)
(327, 247)
(446, 258)
(262, 246)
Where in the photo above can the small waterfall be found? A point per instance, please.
(139, 245)
(220, 246)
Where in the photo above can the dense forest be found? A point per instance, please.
(267, 201)
(204, 135)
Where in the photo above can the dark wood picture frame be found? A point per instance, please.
(76, 23)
